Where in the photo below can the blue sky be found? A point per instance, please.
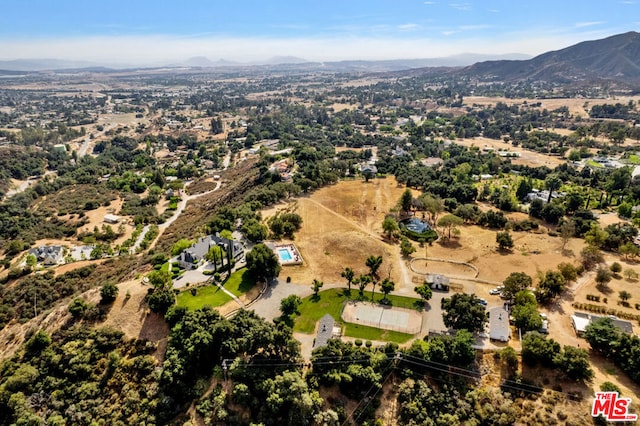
(145, 31)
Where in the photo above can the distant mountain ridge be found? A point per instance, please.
(613, 58)
(35, 65)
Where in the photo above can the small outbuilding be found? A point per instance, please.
(327, 329)
(111, 218)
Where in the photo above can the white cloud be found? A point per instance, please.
(408, 27)
(461, 6)
(429, 2)
(588, 24)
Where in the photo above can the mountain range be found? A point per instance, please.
(615, 58)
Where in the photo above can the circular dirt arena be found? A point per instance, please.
(384, 317)
(423, 266)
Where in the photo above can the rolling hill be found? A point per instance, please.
(614, 58)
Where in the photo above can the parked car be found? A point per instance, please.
(482, 302)
(494, 291)
(545, 327)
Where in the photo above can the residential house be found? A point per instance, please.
(581, 320)
(195, 255)
(48, 255)
(499, 328)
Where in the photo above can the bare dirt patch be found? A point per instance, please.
(527, 157)
(130, 314)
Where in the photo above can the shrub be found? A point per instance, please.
(358, 342)
(616, 268)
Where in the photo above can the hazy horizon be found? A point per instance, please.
(142, 34)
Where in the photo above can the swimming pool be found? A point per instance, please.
(416, 225)
(285, 254)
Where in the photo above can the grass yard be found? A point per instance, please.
(331, 301)
(239, 282)
(634, 159)
(209, 295)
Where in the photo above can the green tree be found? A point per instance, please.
(524, 187)
(567, 230)
(38, 342)
(77, 308)
(450, 222)
(630, 274)
(406, 200)
(160, 300)
(373, 263)
(180, 245)
(509, 356)
(434, 206)
(289, 305)
(574, 362)
(616, 268)
(464, 312)
(568, 271)
(317, 285)
(603, 276)
(610, 387)
(537, 349)
(591, 256)
(552, 183)
(424, 291)
(596, 236)
(108, 293)
(551, 285)
(504, 240)
(387, 286)
(289, 401)
(32, 260)
(515, 282)
(390, 226)
(348, 275)
(527, 317)
(406, 247)
(628, 250)
(624, 295)
(363, 281)
(262, 262)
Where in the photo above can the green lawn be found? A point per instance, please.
(209, 295)
(331, 301)
(239, 282)
(634, 159)
(593, 164)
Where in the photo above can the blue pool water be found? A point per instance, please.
(285, 254)
(416, 225)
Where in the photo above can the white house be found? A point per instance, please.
(499, 328)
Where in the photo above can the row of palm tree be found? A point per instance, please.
(363, 280)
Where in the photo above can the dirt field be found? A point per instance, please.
(576, 106)
(527, 157)
(342, 226)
